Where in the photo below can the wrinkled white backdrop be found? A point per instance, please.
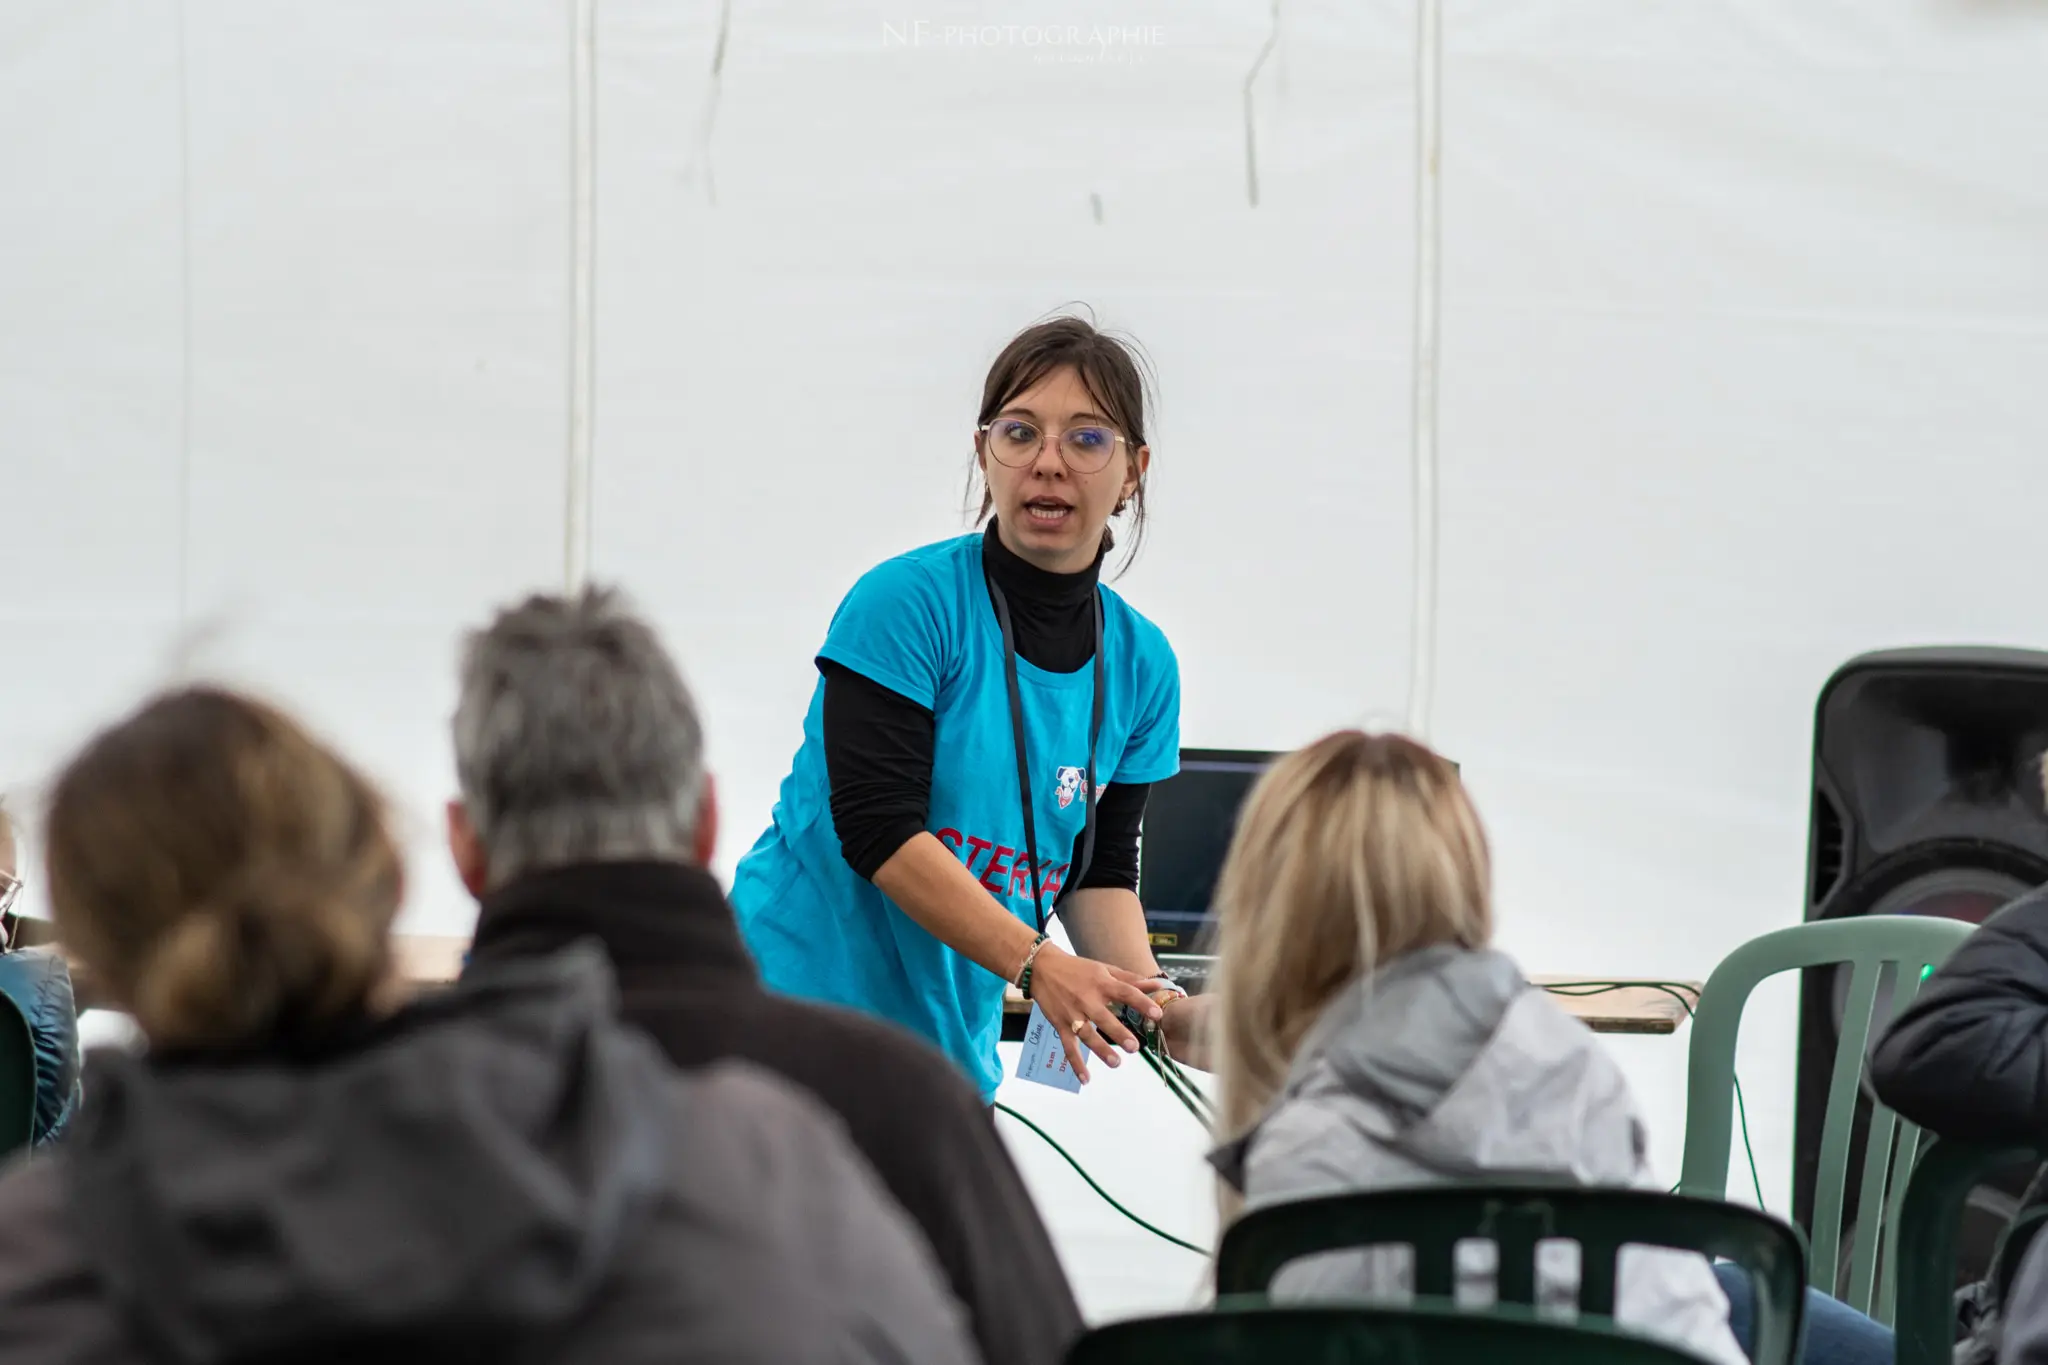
(1744, 322)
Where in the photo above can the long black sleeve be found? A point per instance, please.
(878, 759)
(1969, 1057)
(1118, 814)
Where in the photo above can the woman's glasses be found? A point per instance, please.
(1015, 442)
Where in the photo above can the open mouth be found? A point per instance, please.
(1047, 512)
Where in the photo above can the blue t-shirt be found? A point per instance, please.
(922, 626)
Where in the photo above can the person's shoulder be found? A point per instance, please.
(51, 1303)
(774, 1198)
(738, 1093)
(1146, 634)
(1538, 1028)
(948, 554)
(928, 569)
(752, 1142)
(872, 1074)
(35, 1227)
(1318, 1143)
(2024, 918)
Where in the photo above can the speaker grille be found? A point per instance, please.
(1830, 849)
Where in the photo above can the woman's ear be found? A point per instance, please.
(1134, 471)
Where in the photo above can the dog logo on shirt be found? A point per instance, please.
(1073, 783)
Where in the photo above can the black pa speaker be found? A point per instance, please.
(1927, 800)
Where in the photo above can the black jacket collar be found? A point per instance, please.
(663, 924)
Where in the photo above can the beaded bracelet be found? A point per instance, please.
(1024, 976)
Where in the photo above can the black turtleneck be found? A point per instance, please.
(1051, 613)
(879, 743)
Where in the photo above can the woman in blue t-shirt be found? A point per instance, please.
(905, 873)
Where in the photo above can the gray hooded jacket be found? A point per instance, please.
(1446, 1066)
(500, 1172)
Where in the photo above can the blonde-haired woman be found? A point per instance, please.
(1367, 1036)
(300, 1168)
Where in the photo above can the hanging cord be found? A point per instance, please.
(1107, 1197)
(1687, 996)
(1152, 1048)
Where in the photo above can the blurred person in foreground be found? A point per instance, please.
(587, 815)
(302, 1168)
(1369, 1037)
(38, 982)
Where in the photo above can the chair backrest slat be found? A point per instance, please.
(1870, 1207)
(1436, 1261)
(1867, 1289)
(1902, 1179)
(1597, 1277)
(1861, 948)
(1825, 1236)
(1515, 1230)
(1518, 1219)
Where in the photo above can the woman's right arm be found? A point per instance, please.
(879, 747)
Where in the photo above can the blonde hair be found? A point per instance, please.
(227, 877)
(1348, 854)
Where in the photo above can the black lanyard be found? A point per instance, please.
(1024, 762)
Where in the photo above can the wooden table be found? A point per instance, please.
(1624, 1007)
(1606, 1006)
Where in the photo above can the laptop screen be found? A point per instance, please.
(1188, 821)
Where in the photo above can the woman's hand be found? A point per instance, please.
(1079, 996)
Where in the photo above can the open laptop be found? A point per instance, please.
(1188, 821)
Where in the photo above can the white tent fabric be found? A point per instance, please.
(1744, 312)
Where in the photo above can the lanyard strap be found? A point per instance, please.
(1024, 760)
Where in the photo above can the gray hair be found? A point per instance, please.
(575, 738)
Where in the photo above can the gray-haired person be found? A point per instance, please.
(587, 813)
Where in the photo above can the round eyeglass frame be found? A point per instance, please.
(1116, 439)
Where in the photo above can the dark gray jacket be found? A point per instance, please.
(499, 1172)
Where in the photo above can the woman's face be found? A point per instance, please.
(1047, 512)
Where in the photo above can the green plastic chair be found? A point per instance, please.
(17, 1079)
(1864, 946)
(1356, 1335)
(1434, 1219)
(1930, 1217)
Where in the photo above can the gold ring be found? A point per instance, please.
(1079, 1024)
